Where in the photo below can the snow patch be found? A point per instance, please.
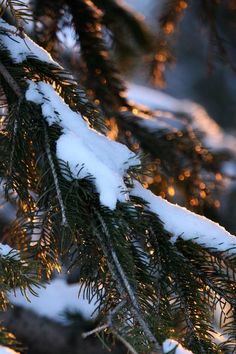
(161, 122)
(214, 137)
(53, 301)
(171, 344)
(87, 152)
(21, 48)
(5, 350)
(5, 249)
(185, 224)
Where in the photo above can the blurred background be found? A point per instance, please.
(194, 75)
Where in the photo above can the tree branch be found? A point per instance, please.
(45, 336)
(10, 80)
(135, 306)
(52, 166)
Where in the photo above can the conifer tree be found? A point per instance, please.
(160, 272)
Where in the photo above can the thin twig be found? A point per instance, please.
(95, 330)
(109, 322)
(11, 82)
(52, 166)
(111, 328)
(13, 142)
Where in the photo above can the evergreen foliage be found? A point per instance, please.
(150, 288)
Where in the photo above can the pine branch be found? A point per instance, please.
(49, 16)
(171, 14)
(19, 10)
(15, 272)
(209, 14)
(121, 288)
(124, 251)
(127, 18)
(103, 77)
(8, 340)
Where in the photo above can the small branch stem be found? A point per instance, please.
(111, 328)
(95, 330)
(52, 166)
(10, 80)
(109, 322)
(13, 142)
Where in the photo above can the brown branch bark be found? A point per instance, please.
(42, 335)
(11, 82)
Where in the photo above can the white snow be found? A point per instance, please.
(161, 122)
(170, 344)
(185, 224)
(55, 299)
(218, 337)
(21, 48)
(5, 350)
(5, 249)
(214, 137)
(154, 99)
(86, 151)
